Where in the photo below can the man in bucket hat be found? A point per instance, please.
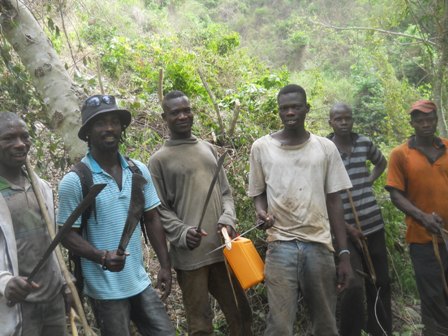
(98, 105)
(116, 283)
(418, 186)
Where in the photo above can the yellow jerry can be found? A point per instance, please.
(245, 262)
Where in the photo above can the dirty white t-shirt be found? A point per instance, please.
(296, 180)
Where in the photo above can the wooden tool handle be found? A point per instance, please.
(227, 239)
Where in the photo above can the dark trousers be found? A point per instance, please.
(428, 275)
(362, 292)
(44, 319)
(196, 285)
(145, 309)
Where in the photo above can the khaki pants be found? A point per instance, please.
(196, 286)
(45, 318)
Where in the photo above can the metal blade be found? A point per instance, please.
(85, 203)
(136, 206)
(210, 189)
(241, 235)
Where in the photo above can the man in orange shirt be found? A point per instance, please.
(417, 180)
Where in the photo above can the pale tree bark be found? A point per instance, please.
(441, 70)
(48, 74)
(431, 18)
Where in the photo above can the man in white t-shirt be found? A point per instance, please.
(295, 178)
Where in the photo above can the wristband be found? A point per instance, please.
(103, 260)
(341, 252)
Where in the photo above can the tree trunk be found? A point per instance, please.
(441, 70)
(48, 74)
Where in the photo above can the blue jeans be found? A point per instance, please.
(293, 266)
(146, 310)
(44, 318)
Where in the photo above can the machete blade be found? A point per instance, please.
(85, 203)
(136, 206)
(210, 189)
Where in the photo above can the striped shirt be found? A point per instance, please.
(369, 213)
(105, 228)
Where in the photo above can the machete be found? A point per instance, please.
(85, 203)
(210, 189)
(136, 206)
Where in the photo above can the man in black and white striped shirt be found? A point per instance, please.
(355, 151)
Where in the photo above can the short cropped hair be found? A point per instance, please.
(340, 106)
(292, 88)
(171, 95)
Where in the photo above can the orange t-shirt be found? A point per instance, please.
(423, 183)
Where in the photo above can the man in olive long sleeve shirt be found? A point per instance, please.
(182, 171)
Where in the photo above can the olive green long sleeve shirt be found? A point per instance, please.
(182, 171)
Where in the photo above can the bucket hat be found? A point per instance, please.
(97, 105)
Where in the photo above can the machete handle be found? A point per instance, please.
(122, 252)
(227, 240)
(11, 303)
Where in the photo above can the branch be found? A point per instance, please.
(66, 34)
(378, 30)
(100, 78)
(215, 105)
(160, 87)
(236, 113)
(60, 259)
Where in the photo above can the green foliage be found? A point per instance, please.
(368, 106)
(100, 32)
(16, 93)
